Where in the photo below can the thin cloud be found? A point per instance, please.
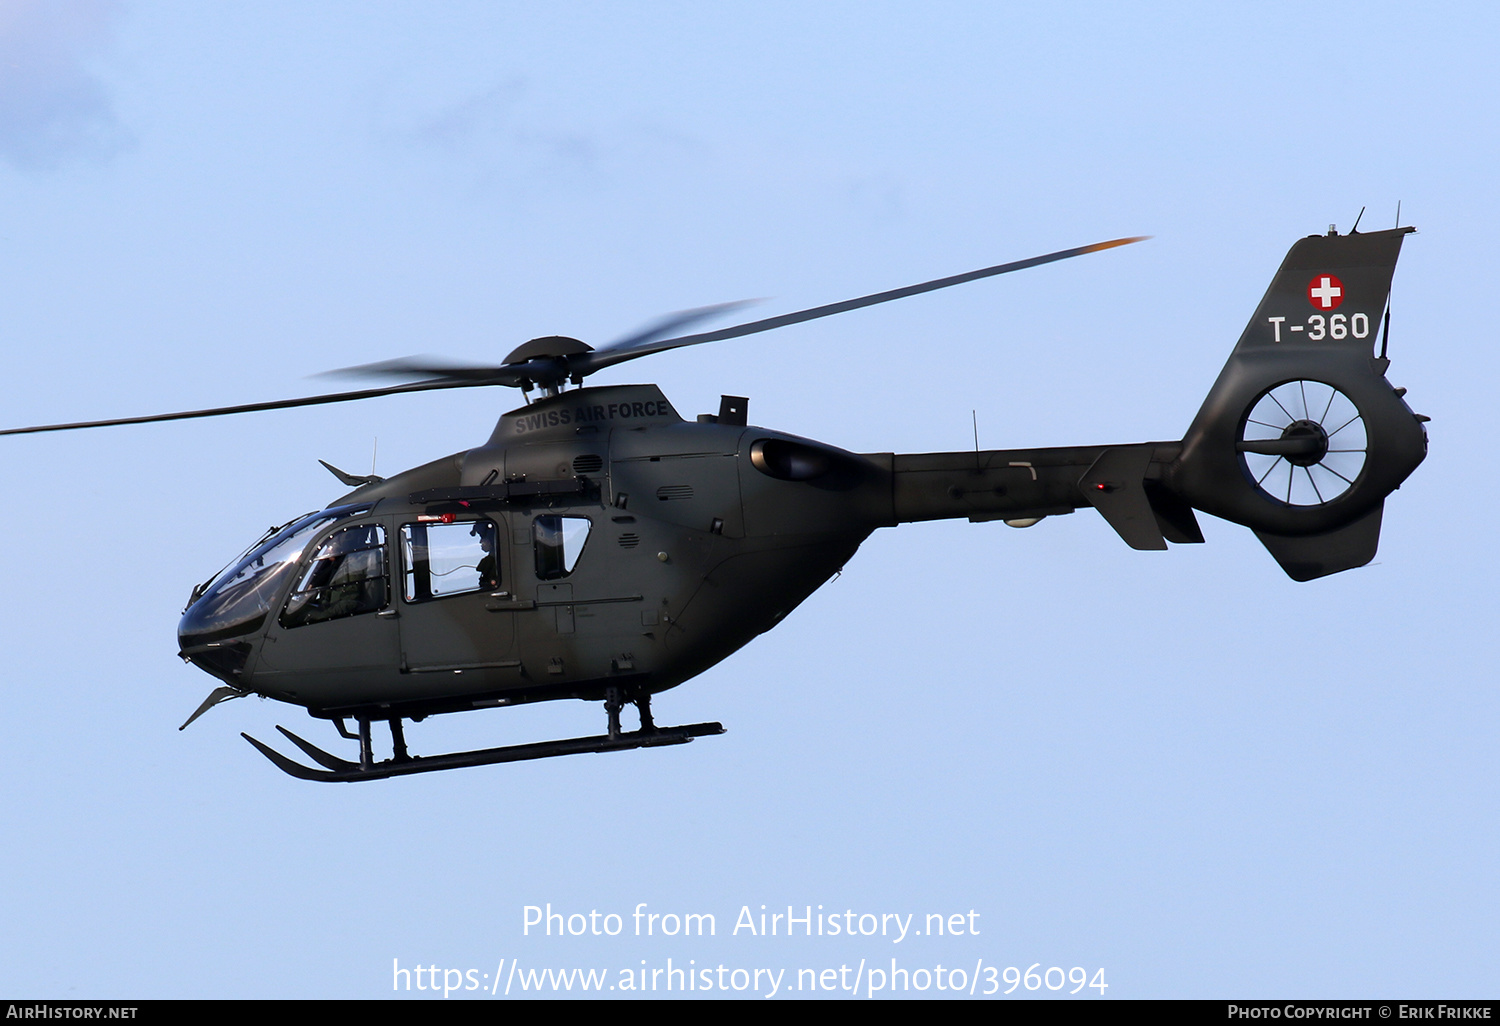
(476, 118)
(488, 133)
(52, 109)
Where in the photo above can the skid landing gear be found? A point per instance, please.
(400, 764)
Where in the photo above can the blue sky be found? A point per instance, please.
(1182, 767)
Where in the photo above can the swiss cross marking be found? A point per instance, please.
(1325, 292)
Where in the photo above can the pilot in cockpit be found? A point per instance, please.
(489, 566)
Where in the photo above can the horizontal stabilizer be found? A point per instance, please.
(1311, 556)
(1115, 485)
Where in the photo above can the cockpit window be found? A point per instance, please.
(238, 599)
(284, 547)
(559, 542)
(345, 576)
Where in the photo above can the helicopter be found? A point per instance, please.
(598, 546)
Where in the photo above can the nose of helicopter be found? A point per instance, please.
(222, 610)
(222, 658)
(225, 615)
(217, 637)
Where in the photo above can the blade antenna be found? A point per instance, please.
(975, 414)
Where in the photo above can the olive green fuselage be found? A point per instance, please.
(696, 537)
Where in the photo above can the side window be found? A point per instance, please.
(449, 559)
(346, 576)
(559, 542)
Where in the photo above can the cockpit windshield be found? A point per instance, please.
(237, 600)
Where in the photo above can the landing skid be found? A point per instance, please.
(401, 764)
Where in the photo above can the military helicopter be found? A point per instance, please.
(600, 547)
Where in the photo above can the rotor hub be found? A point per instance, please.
(553, 346)
(1304, 430)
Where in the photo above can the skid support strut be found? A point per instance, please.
(612, 706)
(614, 702)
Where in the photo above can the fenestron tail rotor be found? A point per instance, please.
(554, 361)
(1304, 443)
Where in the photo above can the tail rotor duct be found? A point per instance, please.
(1303, 443)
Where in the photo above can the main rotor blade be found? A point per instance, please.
(221, 411)
(430, 368)
(601, 358)
(672, 322)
